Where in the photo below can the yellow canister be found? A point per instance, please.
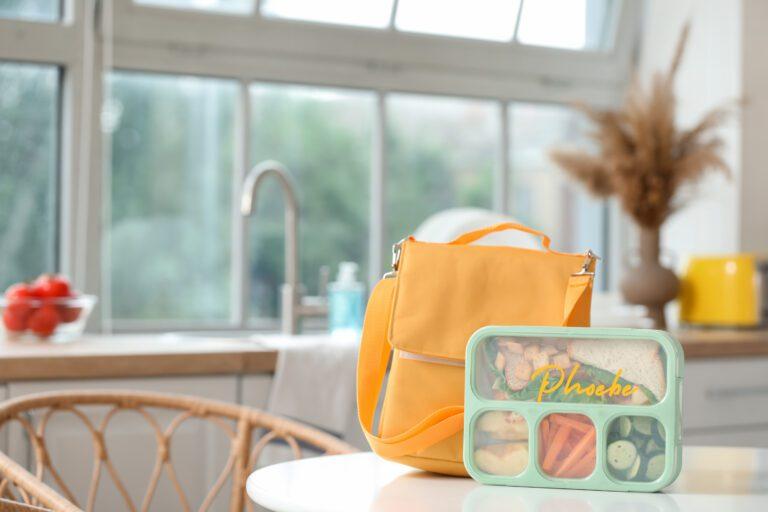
(722, 291)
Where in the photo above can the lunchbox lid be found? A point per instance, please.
(607, 381)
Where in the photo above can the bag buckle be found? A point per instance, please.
(589, 259)
(397, 249)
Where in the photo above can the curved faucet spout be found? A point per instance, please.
(256, 177)
(253, 182)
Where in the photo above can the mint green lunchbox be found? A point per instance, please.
(573, 408)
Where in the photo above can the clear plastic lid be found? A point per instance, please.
(575, 370)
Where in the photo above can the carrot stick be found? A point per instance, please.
(553, 428)
(587, 441)
(554, 449)
(582, 468)
(574, 424)
(581, 418)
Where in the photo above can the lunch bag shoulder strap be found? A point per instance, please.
(375, 351)
(371, 369)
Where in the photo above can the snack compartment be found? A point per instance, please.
(635, 449)
(570, 370)
(567, 445)
(501, 443)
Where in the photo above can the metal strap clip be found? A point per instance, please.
(397, 249)
(589, 259)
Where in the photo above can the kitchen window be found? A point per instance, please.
(29, 170)
(441, 152)
(152, 111)
(324, 137)
(32, 10)
(169, 176)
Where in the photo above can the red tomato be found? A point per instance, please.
(44, 320)
(19, 297)
(69, 313)
(20, 292)
(15, 317)
(51, 286)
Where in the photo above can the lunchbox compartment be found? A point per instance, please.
(501, 443)
(567, 445)
(635, 449)
(573, 370)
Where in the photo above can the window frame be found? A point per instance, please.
(95, 36)
(70, 45)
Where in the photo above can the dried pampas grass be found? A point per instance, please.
(643, 157)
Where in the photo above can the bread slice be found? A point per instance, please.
(639, 360)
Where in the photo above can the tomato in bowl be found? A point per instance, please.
(46, 310)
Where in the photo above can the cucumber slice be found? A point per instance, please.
(653, 446)
(639, 441)
(621, 454)
(643, 425)
(659, 433)
(623, 426)
(655, 467)
(633, 471)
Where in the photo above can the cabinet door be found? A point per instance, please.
(255, 392)
(4, 432)
(198, 450)
(725, 393)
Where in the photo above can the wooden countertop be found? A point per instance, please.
(117, 356)
(712, 343)
(125, 356)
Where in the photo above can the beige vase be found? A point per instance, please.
(648, 283)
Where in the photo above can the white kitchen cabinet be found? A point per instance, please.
(725, 402)
(3, 432)
(199, 450)
(255, 390)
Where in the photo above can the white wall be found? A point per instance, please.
(710, 75)
(754, 191)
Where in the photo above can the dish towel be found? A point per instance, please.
(314, 383)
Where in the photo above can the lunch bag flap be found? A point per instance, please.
(445, 292)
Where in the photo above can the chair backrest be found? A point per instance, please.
(15, 506)
(248, 432)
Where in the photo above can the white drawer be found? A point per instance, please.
(725, 436)
(720, 392)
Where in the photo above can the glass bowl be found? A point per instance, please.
(56, 320)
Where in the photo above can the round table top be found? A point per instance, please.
(712, 479)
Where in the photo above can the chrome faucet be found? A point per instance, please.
(293, 304)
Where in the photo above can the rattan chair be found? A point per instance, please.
(248, 431)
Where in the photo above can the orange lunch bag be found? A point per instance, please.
(423, 313)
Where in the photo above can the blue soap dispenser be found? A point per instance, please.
(345, 303)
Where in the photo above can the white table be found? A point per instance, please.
(713, 479)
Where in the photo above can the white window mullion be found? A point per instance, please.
(81, 163)
(377, 223)
(502, 179)
(240, 287)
